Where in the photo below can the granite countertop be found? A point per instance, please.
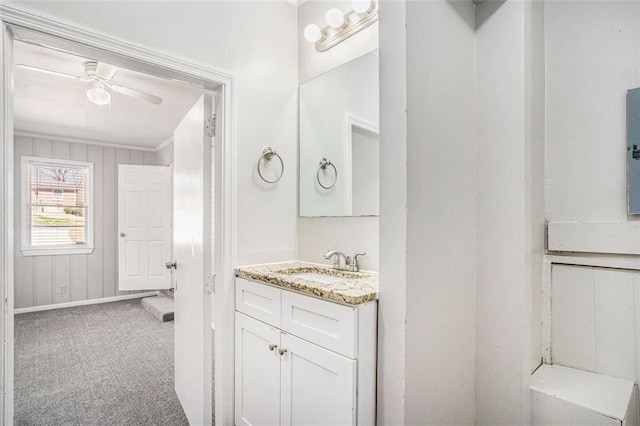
(356, 288)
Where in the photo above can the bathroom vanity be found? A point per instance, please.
(305, 345)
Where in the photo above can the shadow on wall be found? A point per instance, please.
(485, 12)
(463, 12)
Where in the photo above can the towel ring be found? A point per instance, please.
(267, 154)
(323, 165)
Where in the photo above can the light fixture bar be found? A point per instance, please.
(354, 23)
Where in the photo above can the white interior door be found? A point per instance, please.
(192, 253)
(144, 227)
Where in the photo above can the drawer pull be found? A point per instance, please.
(272, 346)
(282, 351)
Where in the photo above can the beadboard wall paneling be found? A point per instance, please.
(45, 280)
(595, 319)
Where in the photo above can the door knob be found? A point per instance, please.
(282, 351)
(272, 347)
(122, 234)
(172, 264)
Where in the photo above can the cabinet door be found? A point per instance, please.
(318, 386)
(257, 371)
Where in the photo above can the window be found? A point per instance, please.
(57, 206)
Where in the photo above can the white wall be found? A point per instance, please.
(426, 334)
(350, 235)
(441, 213)
(322, 233)
(595, 317)
(256, 42)
(461, 255)
(392, 309)
(535, 122)
(592, 60)
(38, 279)
(509, 162)
(164, 156)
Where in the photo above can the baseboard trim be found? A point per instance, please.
(84, 302)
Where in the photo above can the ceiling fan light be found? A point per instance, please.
(98, 95)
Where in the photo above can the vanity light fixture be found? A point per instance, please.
(335, 18)
(340, 26)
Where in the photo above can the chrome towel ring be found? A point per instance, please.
(323, 165)
(267, 154)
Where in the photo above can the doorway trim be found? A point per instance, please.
(353, 121)
(21, 25)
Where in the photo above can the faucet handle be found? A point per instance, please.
(354, 266)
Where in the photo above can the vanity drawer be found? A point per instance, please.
(326, 324)
(259, 301)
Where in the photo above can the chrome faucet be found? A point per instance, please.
(336, 262)
(349, 265)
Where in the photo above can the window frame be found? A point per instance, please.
(26, 247)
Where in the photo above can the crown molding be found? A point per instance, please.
(87, 141)
(163, 144)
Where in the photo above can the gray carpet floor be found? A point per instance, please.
(107, 364)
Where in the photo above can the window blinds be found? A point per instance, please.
(57, 203)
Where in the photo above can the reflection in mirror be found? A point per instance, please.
(339, 129)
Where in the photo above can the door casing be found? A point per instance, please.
(21, 25)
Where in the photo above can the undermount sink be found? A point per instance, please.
(321, 278)
(319, 274)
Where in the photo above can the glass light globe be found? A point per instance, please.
(312, 33)
(97, 95)
(335, 18)
(362, 6)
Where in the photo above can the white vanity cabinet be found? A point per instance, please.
(302, 360)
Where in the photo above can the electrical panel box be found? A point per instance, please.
(633, 151)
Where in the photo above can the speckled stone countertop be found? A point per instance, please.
(356, 288)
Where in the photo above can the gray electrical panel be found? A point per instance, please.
(633, 150)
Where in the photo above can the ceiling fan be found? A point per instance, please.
(100, 75)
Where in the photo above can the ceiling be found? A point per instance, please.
(56, 106)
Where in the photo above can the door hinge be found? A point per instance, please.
(209, 284)
(210, 126)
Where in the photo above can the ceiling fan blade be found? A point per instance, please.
(106, 71)
(45, 71)
(156, 100)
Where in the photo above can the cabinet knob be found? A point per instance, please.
(272, 346)
(282, 351)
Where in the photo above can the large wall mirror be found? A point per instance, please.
(339, 141)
